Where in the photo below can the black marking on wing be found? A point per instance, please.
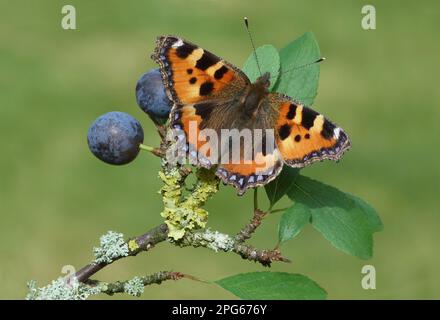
(206, 88)
(292, 111)
(204, 109)
(206, 60)
(218, 74)
(308, 117)
(328, 129)
(284, 131)
(185, 50)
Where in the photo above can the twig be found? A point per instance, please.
(265, 257)
(130, 285)
(213, 240)
(218, 241)
(142, 243)
(250, 228)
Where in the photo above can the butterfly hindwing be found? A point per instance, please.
(304, 136)
(192, 74)
(261, 170)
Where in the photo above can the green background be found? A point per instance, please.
(56, 199)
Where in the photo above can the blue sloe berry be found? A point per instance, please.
(151, 96)
(115, 137)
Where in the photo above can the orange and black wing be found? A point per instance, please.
(263, 168)
(304, 136)
(202, 87)
(192, 74)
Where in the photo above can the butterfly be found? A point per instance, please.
(213, 94)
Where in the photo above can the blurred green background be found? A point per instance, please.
(56, 199)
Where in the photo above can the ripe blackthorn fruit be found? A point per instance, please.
(115, 137)
(151, 96)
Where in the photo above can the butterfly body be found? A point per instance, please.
(255, 94)
(211, 95)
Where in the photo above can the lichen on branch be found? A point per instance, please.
(61, 289)
(65, 288)
(213, 240)
(184, 213)
(112, 246)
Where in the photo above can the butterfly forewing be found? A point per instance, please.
(192, 74)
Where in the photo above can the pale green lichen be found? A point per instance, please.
(213, 240)
(133, 245)
(183, 214)
(61, 289)
(134, 287)
(112, 246)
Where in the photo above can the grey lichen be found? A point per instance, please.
(112, 246)
(213, 240)
(219, 241)
(134, 287)
(61, 289)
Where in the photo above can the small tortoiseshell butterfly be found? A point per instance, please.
(215, 94)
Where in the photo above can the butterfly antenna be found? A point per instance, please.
(304, 65)
(246, 23)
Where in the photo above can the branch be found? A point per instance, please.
(187, 212)
(185, 225)
(218, 241)
(135, 286)
(135, 245)
(265, 257)
(247, 231)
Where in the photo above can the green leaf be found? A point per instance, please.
(277, 188)
(269, 60)
(371, 214)
(293, 220)
(301, 80)
(346, 221)
(272, 285)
